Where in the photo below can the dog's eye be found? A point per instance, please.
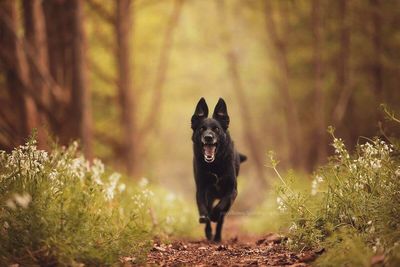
(203, 128)
(216, 129)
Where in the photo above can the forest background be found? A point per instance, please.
(123, 77)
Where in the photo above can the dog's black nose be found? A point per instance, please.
(208, 138)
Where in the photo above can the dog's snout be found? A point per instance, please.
(208, 138)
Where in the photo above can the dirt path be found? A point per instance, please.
(237, 249)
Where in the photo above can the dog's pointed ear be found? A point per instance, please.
(200, 113)
(221, 113)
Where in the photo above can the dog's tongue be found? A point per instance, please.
(209, 153)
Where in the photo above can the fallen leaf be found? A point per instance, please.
(159, 248)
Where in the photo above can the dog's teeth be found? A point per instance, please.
(209, 159)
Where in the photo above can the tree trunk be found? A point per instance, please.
(342, 76)
(293, 130)
(377, 70)
(80, 107)
(162, 68)
(237, 84)
(154, 114)
(58, 20)
(125, 90)
(319, 98)
(35, 33)
(13, 55)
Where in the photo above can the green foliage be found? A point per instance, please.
(269, 216)
(172, 215)
(57, 208)
(346, 248)
(352, 205)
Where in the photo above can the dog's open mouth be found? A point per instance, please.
(209, 152)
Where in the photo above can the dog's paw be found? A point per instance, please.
(204, 219)
(215, 215)
(217, 239)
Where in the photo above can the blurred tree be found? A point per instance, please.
(123, 24)
(294, 134)
(80, 106)
(67, 63)
(35, 32)
(319, 97)
(376, 39)
(239, 91)
(162, 68)
(22, 114)
(38, 95)
(327, 63)
(343, 71)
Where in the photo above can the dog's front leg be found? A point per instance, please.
(201, 205)
(219, 212)
(223, 206)
(217, 237)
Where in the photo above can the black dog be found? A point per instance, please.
(216, 165)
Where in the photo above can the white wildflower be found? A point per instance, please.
(147, 193)
(143, 182)
(314, 187)
(3, 155)
(53, 175)
(97, 170)
(377, 245)
(371, 227)
(20, 200)
(358, 186)
(281, 204)
(121, 187)
(376, 164)
(293, 227)
(23, 200)
(113, 181)
(314, 184)
(138, 200)
(27, 159)
(114, 178)
(109, 193)
(353, 167)
(79, 167)
(397, 172)
(11, 204)
(340, 148)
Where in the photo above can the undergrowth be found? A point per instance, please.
(57, 208)
(352, 208)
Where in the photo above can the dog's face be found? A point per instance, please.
(209, 133)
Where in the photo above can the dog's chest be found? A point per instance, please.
(216, 182)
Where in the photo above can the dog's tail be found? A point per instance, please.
(242, 157)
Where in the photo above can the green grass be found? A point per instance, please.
(269, 216)
(57, 208)
(351, 207)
